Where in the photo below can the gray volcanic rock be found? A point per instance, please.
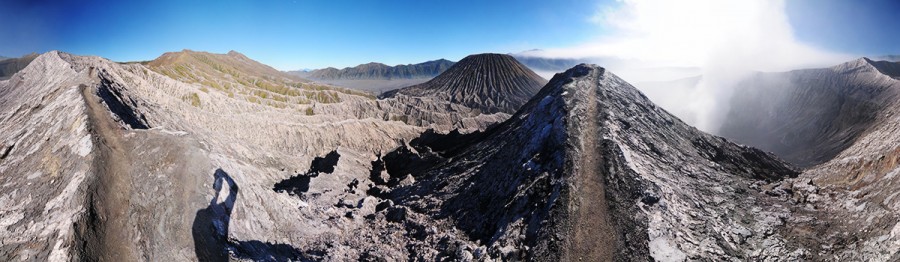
(847, 208)
(119, 153)
(489, 82)
(45, 161)
(591, 169)
(102, 160)
(809, 116)
(841, 122)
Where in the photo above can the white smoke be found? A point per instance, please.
(726, 40)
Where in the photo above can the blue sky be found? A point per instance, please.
(290, 34)
(867, 27)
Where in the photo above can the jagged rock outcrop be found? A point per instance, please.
(491, 83)
(847, 208)
(46, 159)
(809, 116)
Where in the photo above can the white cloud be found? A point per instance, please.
(724, 39)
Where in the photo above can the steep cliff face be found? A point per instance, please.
(491, 83)
(856, 191)
(810, 116)
(841, 124)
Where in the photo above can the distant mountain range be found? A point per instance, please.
(9, 66)
(549, 64)
(892, 58)
(376, 77)
(379, 71)
(379, 78)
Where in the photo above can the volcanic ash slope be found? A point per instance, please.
(591, 169)
(848, 208)
(102, 160)
(197, 155)
(810, 116)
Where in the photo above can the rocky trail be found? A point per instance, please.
(107, 238)
(594, 237)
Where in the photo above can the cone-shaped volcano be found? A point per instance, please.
(490, 82)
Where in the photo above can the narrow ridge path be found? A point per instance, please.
(593, 236)
(112, 192)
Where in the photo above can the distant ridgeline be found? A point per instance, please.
(9, 66)
(379, 71)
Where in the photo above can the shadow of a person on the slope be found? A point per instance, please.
(210, 229)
